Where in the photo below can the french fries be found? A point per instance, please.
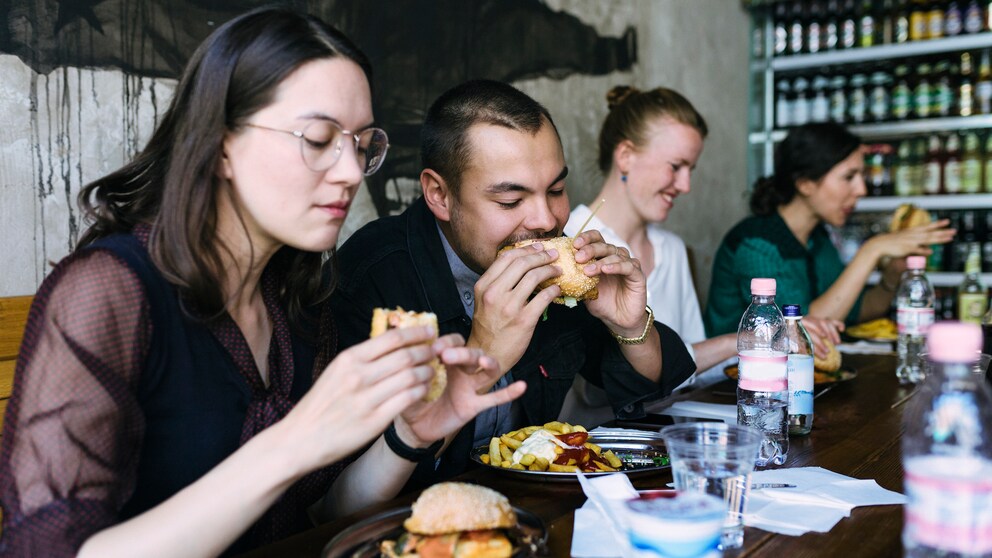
(580, 455)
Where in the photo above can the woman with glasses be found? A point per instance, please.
(177, 391)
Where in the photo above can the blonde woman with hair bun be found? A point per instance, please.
(649, 145)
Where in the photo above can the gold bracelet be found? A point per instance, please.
(644, 334)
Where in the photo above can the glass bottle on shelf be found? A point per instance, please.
(973, 299)
(966, 90)
(878, 105)
(987, 166)
(952, 164)
(796, 29)
(935, 21)
(967, 234)
(953, 19)
(781, 32)
(783, 104)
(987, 258)
(857, 103)
(814, 29)
(902, 95)
(933, 167)
(903, 173)
(983, 87)
(973, 20)
(848, 26)
(838, 99)
(800, 103)
(918, 30)
(900, 33)
(971, 165)
(831, 29)
(942, 95)
(922, 101)
(866, 24)
(919, 167)
(885, 21)
(819, 106)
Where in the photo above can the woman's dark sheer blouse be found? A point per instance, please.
(74, 427)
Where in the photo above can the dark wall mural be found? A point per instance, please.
(419, 48)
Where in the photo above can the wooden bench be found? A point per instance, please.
(13, 317)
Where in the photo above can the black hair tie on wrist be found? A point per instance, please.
(400, 448)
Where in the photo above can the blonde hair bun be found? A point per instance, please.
(619, 94)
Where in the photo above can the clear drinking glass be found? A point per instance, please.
(714, 458)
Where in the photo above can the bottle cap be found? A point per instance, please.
(792, 311)
(762, 286)
(954, 342)
(916, 262)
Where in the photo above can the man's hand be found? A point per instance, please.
(505, 314)
(622, 285)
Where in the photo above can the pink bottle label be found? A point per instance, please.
(763, 371)
(914, 321)
(949, 503)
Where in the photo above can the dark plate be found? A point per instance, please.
(362, 539)
(845, 373)
(640, 452)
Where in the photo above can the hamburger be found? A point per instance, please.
(454, 519)
(384, 319)
(575, 285)
(829, 365)
(907, 216)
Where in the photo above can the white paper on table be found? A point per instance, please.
(607, 498)
(697, 409)
(866, 348)
(819, 500)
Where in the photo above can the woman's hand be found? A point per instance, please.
(911, 242)
(470, 371)
(359, 394)
(822, 330)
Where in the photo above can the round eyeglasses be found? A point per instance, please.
(322, 141)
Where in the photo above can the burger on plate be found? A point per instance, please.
(575, 285)
(454, 519)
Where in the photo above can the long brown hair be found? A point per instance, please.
(632, 111)
(172, 184)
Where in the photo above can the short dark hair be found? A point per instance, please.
(172, 183)
(444, 145)
(808, 152)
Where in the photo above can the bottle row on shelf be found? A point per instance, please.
(974, 228)
(933, 88)
(955, 163)
(812, 26)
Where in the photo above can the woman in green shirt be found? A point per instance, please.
(818, 180)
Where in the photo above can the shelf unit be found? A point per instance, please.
(763, 136)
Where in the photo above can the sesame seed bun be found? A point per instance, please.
(452, 507)
(907, 216)
(573, 281)
(832, 361)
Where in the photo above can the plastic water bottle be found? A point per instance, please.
(800, 368)
(914, 315)
(947, 451)
(763, 379)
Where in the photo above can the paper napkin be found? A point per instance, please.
(606, 497)
(819, 500)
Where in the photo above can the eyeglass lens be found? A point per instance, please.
(323, 142)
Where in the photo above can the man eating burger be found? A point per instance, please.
(494, 176)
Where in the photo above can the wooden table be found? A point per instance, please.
(856, 432)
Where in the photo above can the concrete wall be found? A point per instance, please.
(69, 127)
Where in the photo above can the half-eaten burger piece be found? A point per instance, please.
(575, 285)
(454, 519)
(385, 319)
